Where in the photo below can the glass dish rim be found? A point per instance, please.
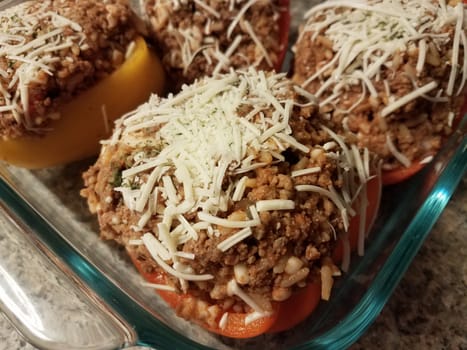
(152, 332)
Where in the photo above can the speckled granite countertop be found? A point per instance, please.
(428, 310)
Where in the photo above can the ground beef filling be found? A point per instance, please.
(98, 47)
(193, 40)
(416, 129)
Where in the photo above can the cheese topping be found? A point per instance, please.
(255, 315)
(159, 286)
(234, 239)
(275, 204)
(234, 289)
(398, 155)
(223, 321)
(307, 171)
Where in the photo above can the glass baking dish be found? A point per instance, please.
(62, 287)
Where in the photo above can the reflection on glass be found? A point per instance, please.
(17, 301)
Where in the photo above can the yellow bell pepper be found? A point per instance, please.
(89, 117)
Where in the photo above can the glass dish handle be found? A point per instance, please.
(50, 308)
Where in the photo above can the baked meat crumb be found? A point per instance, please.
(52, 50)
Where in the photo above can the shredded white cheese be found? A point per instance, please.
(459, 10)
(426, 160)
(275, 204)
(234, 239)
(240, 189)
(407, 98)
(155, 247)
(185, 255)
(396, 153)
(158, 286)
(255, 315)
(335, 199)
(226, 222)
(223, 321)
(306, 171)
(234, 289)
(135, 242)
(182, 275)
